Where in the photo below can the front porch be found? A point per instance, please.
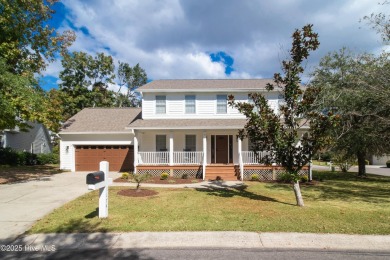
(206, 155)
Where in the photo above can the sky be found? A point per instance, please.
(211, 39)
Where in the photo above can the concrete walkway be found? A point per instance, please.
(206, 240)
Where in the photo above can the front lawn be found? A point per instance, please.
(338, 203)
(10, 174)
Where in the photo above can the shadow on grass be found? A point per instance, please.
(221, 190)
(93, 214)
(346, 187)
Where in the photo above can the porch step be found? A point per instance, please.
(224, 172)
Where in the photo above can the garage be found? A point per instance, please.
(120, 157)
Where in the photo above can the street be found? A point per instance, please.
(197, 253)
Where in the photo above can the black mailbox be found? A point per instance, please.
(95, 177)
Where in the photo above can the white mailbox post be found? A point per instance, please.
(103, 189)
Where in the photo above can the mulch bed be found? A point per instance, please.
(139, 193)
(170, 180)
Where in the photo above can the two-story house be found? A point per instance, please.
(184, 127)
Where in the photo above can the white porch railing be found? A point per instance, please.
(153, 158)
(249, 157)
(162, 158)
(183, 158)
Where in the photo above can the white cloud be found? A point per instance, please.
(171, 38)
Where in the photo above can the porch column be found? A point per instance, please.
(135, 143)
(171, 148)
(240, 159)
(204, 154)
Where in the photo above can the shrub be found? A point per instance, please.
(286, 178)
(184, 176)
(388, 164)
(304, 178)
(47, 158)
(11, 157)
(367, 162)
(164, 176)
(8, 156)
(326, 156)
(139, 178)
(255, 177)
(125, 176)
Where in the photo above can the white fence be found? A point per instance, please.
(153, 158)
(187, 157)
(249, 157)
(162, 158)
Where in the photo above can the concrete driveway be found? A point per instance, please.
(21, 204)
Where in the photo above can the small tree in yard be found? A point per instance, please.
(283, 135)
(139, 178)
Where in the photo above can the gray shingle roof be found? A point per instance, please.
(187, 124)
(206, 84)
(103, 120)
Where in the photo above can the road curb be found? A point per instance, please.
(230, 239)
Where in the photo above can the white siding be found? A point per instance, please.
(36, 138)
(175, 104)
(148, 105)
(206, 105)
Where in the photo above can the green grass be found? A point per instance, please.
(340, 203)
(316, 162)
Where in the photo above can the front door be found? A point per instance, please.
(222, 149)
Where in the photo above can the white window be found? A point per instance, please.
(190, 104)
(190, 143)
(221, 104)
(161, 104)
(250, 101)
(161, 143)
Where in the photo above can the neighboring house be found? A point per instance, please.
(380, 160)
(185, 127)
(35, 140)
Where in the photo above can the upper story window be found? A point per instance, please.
(250, 101)
(161, 104)
(190, 104)
(221, 104)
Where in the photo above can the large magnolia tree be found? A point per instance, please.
(285, 136)
(357, 86)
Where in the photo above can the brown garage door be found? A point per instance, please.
(120, 157)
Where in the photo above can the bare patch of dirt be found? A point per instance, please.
(170, 180)
(135, 193)
(11, 174)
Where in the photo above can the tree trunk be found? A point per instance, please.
(298, 195)
(361, 155)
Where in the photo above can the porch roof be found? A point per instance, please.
(150, 124)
